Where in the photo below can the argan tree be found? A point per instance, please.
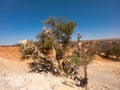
(54, 51)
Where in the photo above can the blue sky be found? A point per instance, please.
(22, 19)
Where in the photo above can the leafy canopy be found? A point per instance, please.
(61, 27)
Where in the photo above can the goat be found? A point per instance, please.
(44, 28)
(81, 81)
(23, 42)
(80, 44)
(48, 31)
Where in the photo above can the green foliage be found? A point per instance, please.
(62, 31)
(75, 59)
(66, 28)
(86, 58)
(51, 21)
(61, 28)
(60, 53)
(80, 57)
(44, 44)
(47, 43)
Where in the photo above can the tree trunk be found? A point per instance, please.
(85, 74)
(55, 62)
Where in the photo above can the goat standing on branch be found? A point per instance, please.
(23, 42)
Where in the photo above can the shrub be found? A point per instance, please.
(115, 50)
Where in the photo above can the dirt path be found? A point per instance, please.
(104, 75)
(14, 76)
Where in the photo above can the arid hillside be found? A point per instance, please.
(10, 52)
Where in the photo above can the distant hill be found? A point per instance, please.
(106, 39)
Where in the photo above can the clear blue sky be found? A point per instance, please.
(21, 19)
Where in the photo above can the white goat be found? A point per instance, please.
(80, 44)
(23, 42)
(48, 31)
(44, 28)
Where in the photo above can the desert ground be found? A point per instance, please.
(14, 74)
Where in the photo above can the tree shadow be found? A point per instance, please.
(39, 68)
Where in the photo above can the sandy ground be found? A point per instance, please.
(15, 75)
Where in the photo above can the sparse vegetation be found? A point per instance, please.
(105, 48)
(115, 50)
